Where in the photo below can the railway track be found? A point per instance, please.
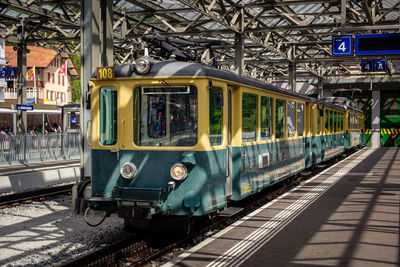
(40, 194)
(141, 252)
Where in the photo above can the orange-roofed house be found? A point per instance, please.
(48, 76)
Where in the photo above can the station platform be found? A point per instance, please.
(348, 215)
(31, 176)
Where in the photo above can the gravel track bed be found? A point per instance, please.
(46, 233)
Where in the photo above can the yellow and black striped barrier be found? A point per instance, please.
(383, 131)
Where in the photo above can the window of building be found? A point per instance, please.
(63, 80)
(216, 115)
(52, 77)
(108, 116)
(48, 76)
(280, 118)
(249, 117)
(266, 117)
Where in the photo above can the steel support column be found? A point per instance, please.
(239, 53)
(292, 70)
(292, 76)
(375, 119)
(96, 51)
(21, 78)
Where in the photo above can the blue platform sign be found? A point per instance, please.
(374, 65)
(24, 107)
(73, 120)
(8, 72)
(380, 65)
(342, 45)
(377, 44)
(367, 65)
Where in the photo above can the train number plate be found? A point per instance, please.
(105, 73)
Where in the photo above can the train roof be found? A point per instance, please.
(343, 102)
(174, 68)
(171, 68)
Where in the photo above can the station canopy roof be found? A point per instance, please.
(275, 32)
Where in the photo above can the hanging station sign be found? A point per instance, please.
(342, 45)
(377, 44)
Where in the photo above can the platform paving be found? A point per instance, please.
(349, 215)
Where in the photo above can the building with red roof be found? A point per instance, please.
(48, 76)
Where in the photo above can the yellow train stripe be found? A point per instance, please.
(397, 131)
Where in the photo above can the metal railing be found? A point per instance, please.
(23, 148)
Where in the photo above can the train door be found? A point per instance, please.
(228, 183)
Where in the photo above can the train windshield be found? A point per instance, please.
(165, 115)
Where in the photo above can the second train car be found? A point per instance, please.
(172, 140)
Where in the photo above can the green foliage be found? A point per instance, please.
(76, 90)
(76, 82)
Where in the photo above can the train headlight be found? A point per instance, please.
(142, 65)
(128, 170)
(178, 172)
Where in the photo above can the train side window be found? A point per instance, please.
(266, 117)
(216, 115)
(280, 118)
(336, 122)
(249, 117)
(348, 121)
(108, 116)
(320, 113)
(327, 128)
(300, 119)
(291, 118)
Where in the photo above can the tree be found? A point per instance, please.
(76, 82)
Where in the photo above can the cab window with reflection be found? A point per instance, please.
(291, 118)
(249, 117)
(216, 115)
(266, 117)
(166, 115)
(280, 118)
(108, 116)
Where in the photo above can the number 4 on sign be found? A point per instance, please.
(342, 47)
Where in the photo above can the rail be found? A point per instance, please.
(24, 148)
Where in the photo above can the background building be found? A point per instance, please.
(48, 76)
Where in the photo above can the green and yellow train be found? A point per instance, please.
(173, 140)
